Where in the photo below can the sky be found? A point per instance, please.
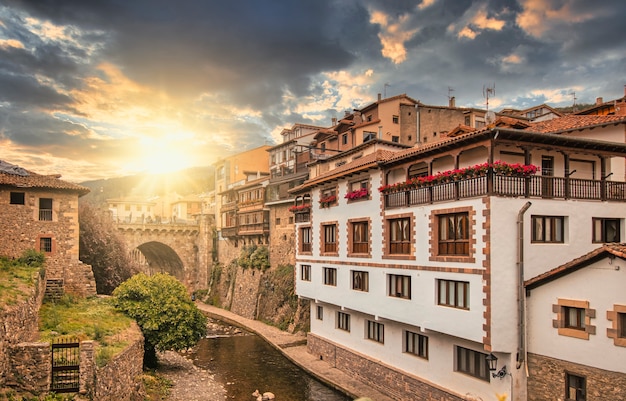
(105, 88)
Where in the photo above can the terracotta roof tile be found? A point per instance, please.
(618, 250)
(15, 176)
(360, 164)
(574, 122)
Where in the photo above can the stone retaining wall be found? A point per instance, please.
(19, 324)
(547, 380)
(398, 385)
(120, 379)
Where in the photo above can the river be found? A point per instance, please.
(244, 362)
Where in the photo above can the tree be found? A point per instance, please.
(163, 309)
(102, 247)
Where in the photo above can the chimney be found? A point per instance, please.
(379, 97)
(599, 100)
(334, 121)
(452, 102)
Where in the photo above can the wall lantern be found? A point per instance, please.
(492, 361)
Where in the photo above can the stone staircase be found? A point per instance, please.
(55, 289)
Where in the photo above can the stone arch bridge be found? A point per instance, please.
(178, 249)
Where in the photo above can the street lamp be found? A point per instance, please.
(492, 360)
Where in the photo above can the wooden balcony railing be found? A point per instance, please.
(501, 185)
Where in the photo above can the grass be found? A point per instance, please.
(86, 319)
(17, 279)
(157, 386)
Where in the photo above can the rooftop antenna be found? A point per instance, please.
(574, 106)
(450, 90)
(385, 89)
(489, 91)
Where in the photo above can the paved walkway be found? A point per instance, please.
(293, 346)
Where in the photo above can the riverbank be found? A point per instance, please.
(189, 383)
(293, 347)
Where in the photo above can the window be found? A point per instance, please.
(400, 236)
(127, 208)
(17, 198)
(621, 325)
(45, 244)
(454, 234)
(548, 229)
(45, 209)
(399, 286)
(416, 344)
(360, 237)
(454, 294)
(574, 318)
(277, 221)
(606, 230)
(471, 363)
(575, 388)
(360, 280)
(376, 331)
(395, 139)
(343, 321)
(344, 139)
(330, 276)
(330, 238)
(368, 136)
(320, 313)
(305, 272)
(395, 119)
(305, 239)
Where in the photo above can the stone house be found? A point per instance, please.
(418, 287)
(41, 212)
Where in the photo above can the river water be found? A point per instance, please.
(244, 362)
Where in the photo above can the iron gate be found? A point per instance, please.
(65, 366)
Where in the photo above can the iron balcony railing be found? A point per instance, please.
(502, 185)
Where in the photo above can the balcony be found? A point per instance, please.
(254, 228)
(493, 184)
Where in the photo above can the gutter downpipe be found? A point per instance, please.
(521, 295)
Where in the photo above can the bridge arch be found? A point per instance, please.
(157, 257)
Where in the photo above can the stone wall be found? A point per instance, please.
(282, 236)
(19, 324)
(245, 292)
(120, 379)
(398, 385)
(547, 380)
(30, 367)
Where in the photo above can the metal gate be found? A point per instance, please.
(65, 366)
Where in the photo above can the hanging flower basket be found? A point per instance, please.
(300, 208)
(357, 194)
(328, 201)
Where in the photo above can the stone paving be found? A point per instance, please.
(293, 346)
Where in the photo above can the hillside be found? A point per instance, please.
(190, 181)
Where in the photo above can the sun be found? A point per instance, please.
(162, 155)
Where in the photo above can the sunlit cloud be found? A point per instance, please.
(475, 20)
(394, 33)
(539, 17)
(425, 4)
(7, 43)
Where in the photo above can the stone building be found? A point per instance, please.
(41, 212)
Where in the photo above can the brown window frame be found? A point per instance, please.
(416, 344)
(359, 237)
(472, 363)
(305, 272)
(399, 282)
(453, 294)
(360, 280)
(330, 276)
(329, 238)
(600, 230)
(305, 239)
(375, 331)
(454, 234)
(399, 236)
(549, 228)
(343, 321)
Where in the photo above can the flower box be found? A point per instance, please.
(357, 194)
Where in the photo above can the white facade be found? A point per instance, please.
(491, 272)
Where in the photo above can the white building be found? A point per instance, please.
(413, 288)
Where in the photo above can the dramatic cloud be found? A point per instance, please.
(101, 88)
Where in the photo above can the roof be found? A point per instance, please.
(361, 164)
(606, 250)
(574, 122)
(19, 177)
